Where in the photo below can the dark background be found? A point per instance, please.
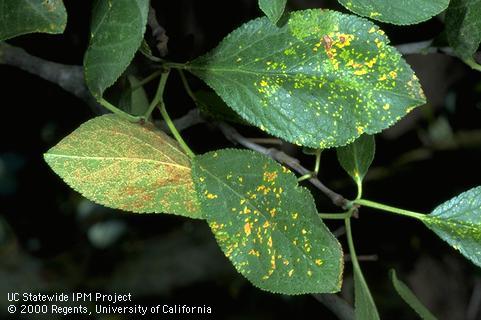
(54, 240)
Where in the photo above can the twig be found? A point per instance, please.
(232, 134)
(423, 47)
(71, 79)
(158, 32)
(68, 77)
(371, 257)
(337, 305)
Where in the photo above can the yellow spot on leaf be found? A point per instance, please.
(254, 253)
(247, 229)
(263, 83)
(273, 212)
(318, 262)
(290, 272)
(269, 242)
(386, 106)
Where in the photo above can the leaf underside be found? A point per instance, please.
(321, 80)
(401, 12)
(273, 9)
(126, 166)
(19, 17)
(408, 296)
(266, 224)
(458, 222)
(117, 30)
(463, 25)
(356, 157)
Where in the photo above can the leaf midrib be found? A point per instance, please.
(134, 159)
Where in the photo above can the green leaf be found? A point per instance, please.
(273, 9)
(127, 166)
(19, 17)
(321, 80)
(365, 308)
(400, 12)
(266, 224)
(356, 157)
(117, 30)
(138, 100)
(458, 222)
(212, 106)
(408, 296)
(463, 24)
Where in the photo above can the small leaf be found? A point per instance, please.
(117, 30)
(458, 222)
(266, 224)
(365, 308)
(408, 296)
(356, 157)
(139, 103)
(273, 9)
(321, 80)
(19, 17)
(400, 12)
(126, 166)
(212, 106)
(463, 24)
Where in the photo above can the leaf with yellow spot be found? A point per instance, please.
(401, 12)
(279, 244)
(356, 157)
(458, 222)
(313, 81)
(127, 166)
(19, 17)
(273, 8)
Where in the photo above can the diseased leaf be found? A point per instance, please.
(463, 24)
(19, 17)
(266, 224)
(408, 296)
(273, 9)
(321, 80)
(117, 30)
(400, 12)
(356, 157)
(127, 166)
(458, 222)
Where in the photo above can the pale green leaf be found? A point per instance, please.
(458, 222)
(400, 12)
(19, 17)
(408, 296)
(463, 25)
(273, 9)
(357, 156)
(117, 30)
(321, 80)
(266, 224)
(128, 166)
